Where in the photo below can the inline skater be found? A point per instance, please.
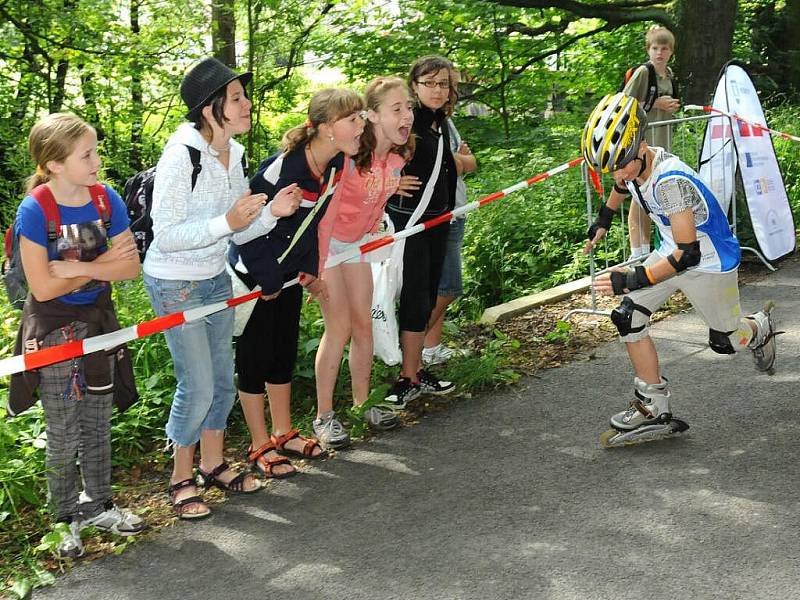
(699, 255)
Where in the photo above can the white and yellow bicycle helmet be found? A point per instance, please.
(613, 133)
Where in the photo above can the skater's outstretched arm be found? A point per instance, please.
(599, 228)
(622, 281)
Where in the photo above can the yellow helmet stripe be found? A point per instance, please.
(613, 127)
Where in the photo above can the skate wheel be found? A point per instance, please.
(606, 436)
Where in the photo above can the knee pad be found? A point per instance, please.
(720, 341)
(622, 317)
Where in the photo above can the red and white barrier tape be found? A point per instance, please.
(48, 356)
(755, 126)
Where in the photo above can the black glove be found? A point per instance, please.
(632, 279)
(604, 218)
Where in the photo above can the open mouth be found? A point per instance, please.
(404, 132)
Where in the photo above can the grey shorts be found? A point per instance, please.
(339, 247)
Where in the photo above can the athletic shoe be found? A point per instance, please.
(381, 419)
(437, 354)
(763, 342)
(432, 385)
(403, 391)
(71, 545)
(330, 432)
(651, 405)
(116, 521)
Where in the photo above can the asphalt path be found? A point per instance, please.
(509, 496)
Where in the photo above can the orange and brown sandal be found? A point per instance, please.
(308, 445)
(180, 506)
(265, 466)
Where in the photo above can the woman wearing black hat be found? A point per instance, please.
(195, 210)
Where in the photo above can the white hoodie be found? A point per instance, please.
(190, 231)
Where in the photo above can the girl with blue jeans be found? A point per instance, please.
(185, 268)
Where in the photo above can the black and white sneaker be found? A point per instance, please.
(403, 391)
(432, 385)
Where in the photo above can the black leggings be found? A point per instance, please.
(267, 349)
(422, 268)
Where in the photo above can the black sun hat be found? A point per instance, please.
(204, 80)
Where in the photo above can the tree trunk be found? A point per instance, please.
(60, 86)
(25, 87)
(89, 91)
(223, 31)
(137, 102)
(704, 43)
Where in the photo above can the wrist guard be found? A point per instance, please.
(603, 220)
(623, 282)
(621, 190)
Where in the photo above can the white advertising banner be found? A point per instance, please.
(718, 158)
(767, 201)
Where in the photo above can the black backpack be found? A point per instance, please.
(652, 85)
(138, 197)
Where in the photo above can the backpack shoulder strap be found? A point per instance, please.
(652, 86)
(101, 203)
(43, 195)
(194, 156)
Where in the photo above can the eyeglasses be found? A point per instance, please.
(430, 84)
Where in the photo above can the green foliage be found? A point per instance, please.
(489, 369)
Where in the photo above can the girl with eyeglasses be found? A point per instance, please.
(433, 83)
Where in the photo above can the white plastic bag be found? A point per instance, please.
(242, 312)
(386, 279)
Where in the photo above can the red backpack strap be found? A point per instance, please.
(43, 195)
(101, 203)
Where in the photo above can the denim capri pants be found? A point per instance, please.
(202, 355)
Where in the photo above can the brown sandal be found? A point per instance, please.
(308, 448)
(181, 505)
(235, 485)
(265, 466)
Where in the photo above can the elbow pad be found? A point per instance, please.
(604, 218)
(690, 257)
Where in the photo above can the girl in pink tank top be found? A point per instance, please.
(352, 219)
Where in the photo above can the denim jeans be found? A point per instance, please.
(450, 283)
(202, 355)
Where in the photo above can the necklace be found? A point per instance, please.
(314, 159)
(214, 151)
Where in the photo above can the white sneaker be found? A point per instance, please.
(381, 419)
(330, 432)
(116, 521)
(763, 342)
(71, 545)
(437, 354)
